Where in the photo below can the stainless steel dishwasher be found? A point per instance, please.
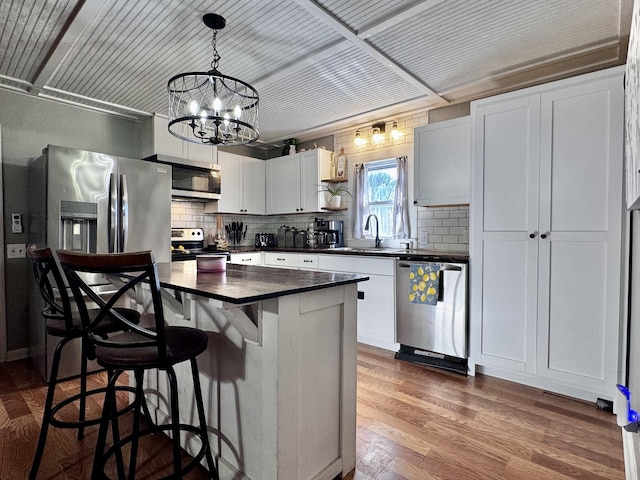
(432, 330)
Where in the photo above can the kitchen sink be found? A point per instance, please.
(369, 250)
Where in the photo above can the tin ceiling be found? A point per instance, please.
(317, 65)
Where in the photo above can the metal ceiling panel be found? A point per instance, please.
(27, 29)
(315, 63)
(143, 44)
(328, 92)
(461, 42)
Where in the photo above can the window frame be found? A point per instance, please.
(372, 167)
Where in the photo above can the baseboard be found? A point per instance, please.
(377, 341)
(630, 447)
(544, 384)
(19, 354)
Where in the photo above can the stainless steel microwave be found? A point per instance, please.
(192, 180)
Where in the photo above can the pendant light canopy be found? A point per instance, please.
(212, 108)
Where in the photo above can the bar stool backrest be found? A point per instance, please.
(126, 271)
(52, 289)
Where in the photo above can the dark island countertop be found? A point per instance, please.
(246, 283)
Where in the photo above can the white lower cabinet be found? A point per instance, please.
(249, 258)
(547, 235)
(376, 304)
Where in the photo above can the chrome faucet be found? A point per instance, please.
(366, 227)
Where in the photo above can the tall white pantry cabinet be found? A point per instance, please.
(547, 223)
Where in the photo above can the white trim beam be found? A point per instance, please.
(359, 41)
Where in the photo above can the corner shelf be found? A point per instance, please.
(335, 180)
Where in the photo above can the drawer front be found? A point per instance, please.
(308, 261)
(279, 259)
(253, 258)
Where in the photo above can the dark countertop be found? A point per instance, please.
(401, 253)
(246, 283)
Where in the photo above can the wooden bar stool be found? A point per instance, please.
(60, 322)
(149, 345)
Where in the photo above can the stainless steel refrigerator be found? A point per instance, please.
(93, 202)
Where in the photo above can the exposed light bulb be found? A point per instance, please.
(203, 120)
(226, 119)
(395, 133)
(217, 106)
(193, 107)
(359, 141)
(377, 136)
(237, 112)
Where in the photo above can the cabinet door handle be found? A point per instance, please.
(545, 235)
(533, 235)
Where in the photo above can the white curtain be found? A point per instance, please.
(401, 202)
(361, 200)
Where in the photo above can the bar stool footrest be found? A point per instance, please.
(91, 421)
(158, 429)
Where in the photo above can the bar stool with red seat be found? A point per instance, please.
(149, 345)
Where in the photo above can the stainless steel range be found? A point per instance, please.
(188, 243)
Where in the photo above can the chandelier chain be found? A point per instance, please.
(216, 55)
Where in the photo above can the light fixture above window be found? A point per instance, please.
(212, 108)
(377, 131)
(395, 133)
(359, 141)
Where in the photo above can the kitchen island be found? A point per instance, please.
(279, 376)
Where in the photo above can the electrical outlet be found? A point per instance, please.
(424, 237)
(16, 250)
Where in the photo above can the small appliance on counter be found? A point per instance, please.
(265, 240)
(329, 233)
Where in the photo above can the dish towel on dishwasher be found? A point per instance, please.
(424, 283)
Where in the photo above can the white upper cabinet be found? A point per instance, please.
(156, 140)
(242, 185)
(442, 153)
(292, 182)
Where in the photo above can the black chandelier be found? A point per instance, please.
(212, 108)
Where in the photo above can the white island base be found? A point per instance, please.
(279, 383)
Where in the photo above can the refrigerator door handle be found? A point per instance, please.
(124, 219)
(112, 219)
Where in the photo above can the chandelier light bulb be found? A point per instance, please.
(237, 112)
(193, 107)
(217, 106)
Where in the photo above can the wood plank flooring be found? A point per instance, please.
(413, 423)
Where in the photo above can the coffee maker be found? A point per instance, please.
(329, 233)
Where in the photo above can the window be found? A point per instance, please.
(381, 181)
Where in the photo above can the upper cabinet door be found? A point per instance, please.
(442, 153)
(253, 186)
(231, 182)
(283, 184)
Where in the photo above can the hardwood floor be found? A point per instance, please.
(413, 423)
